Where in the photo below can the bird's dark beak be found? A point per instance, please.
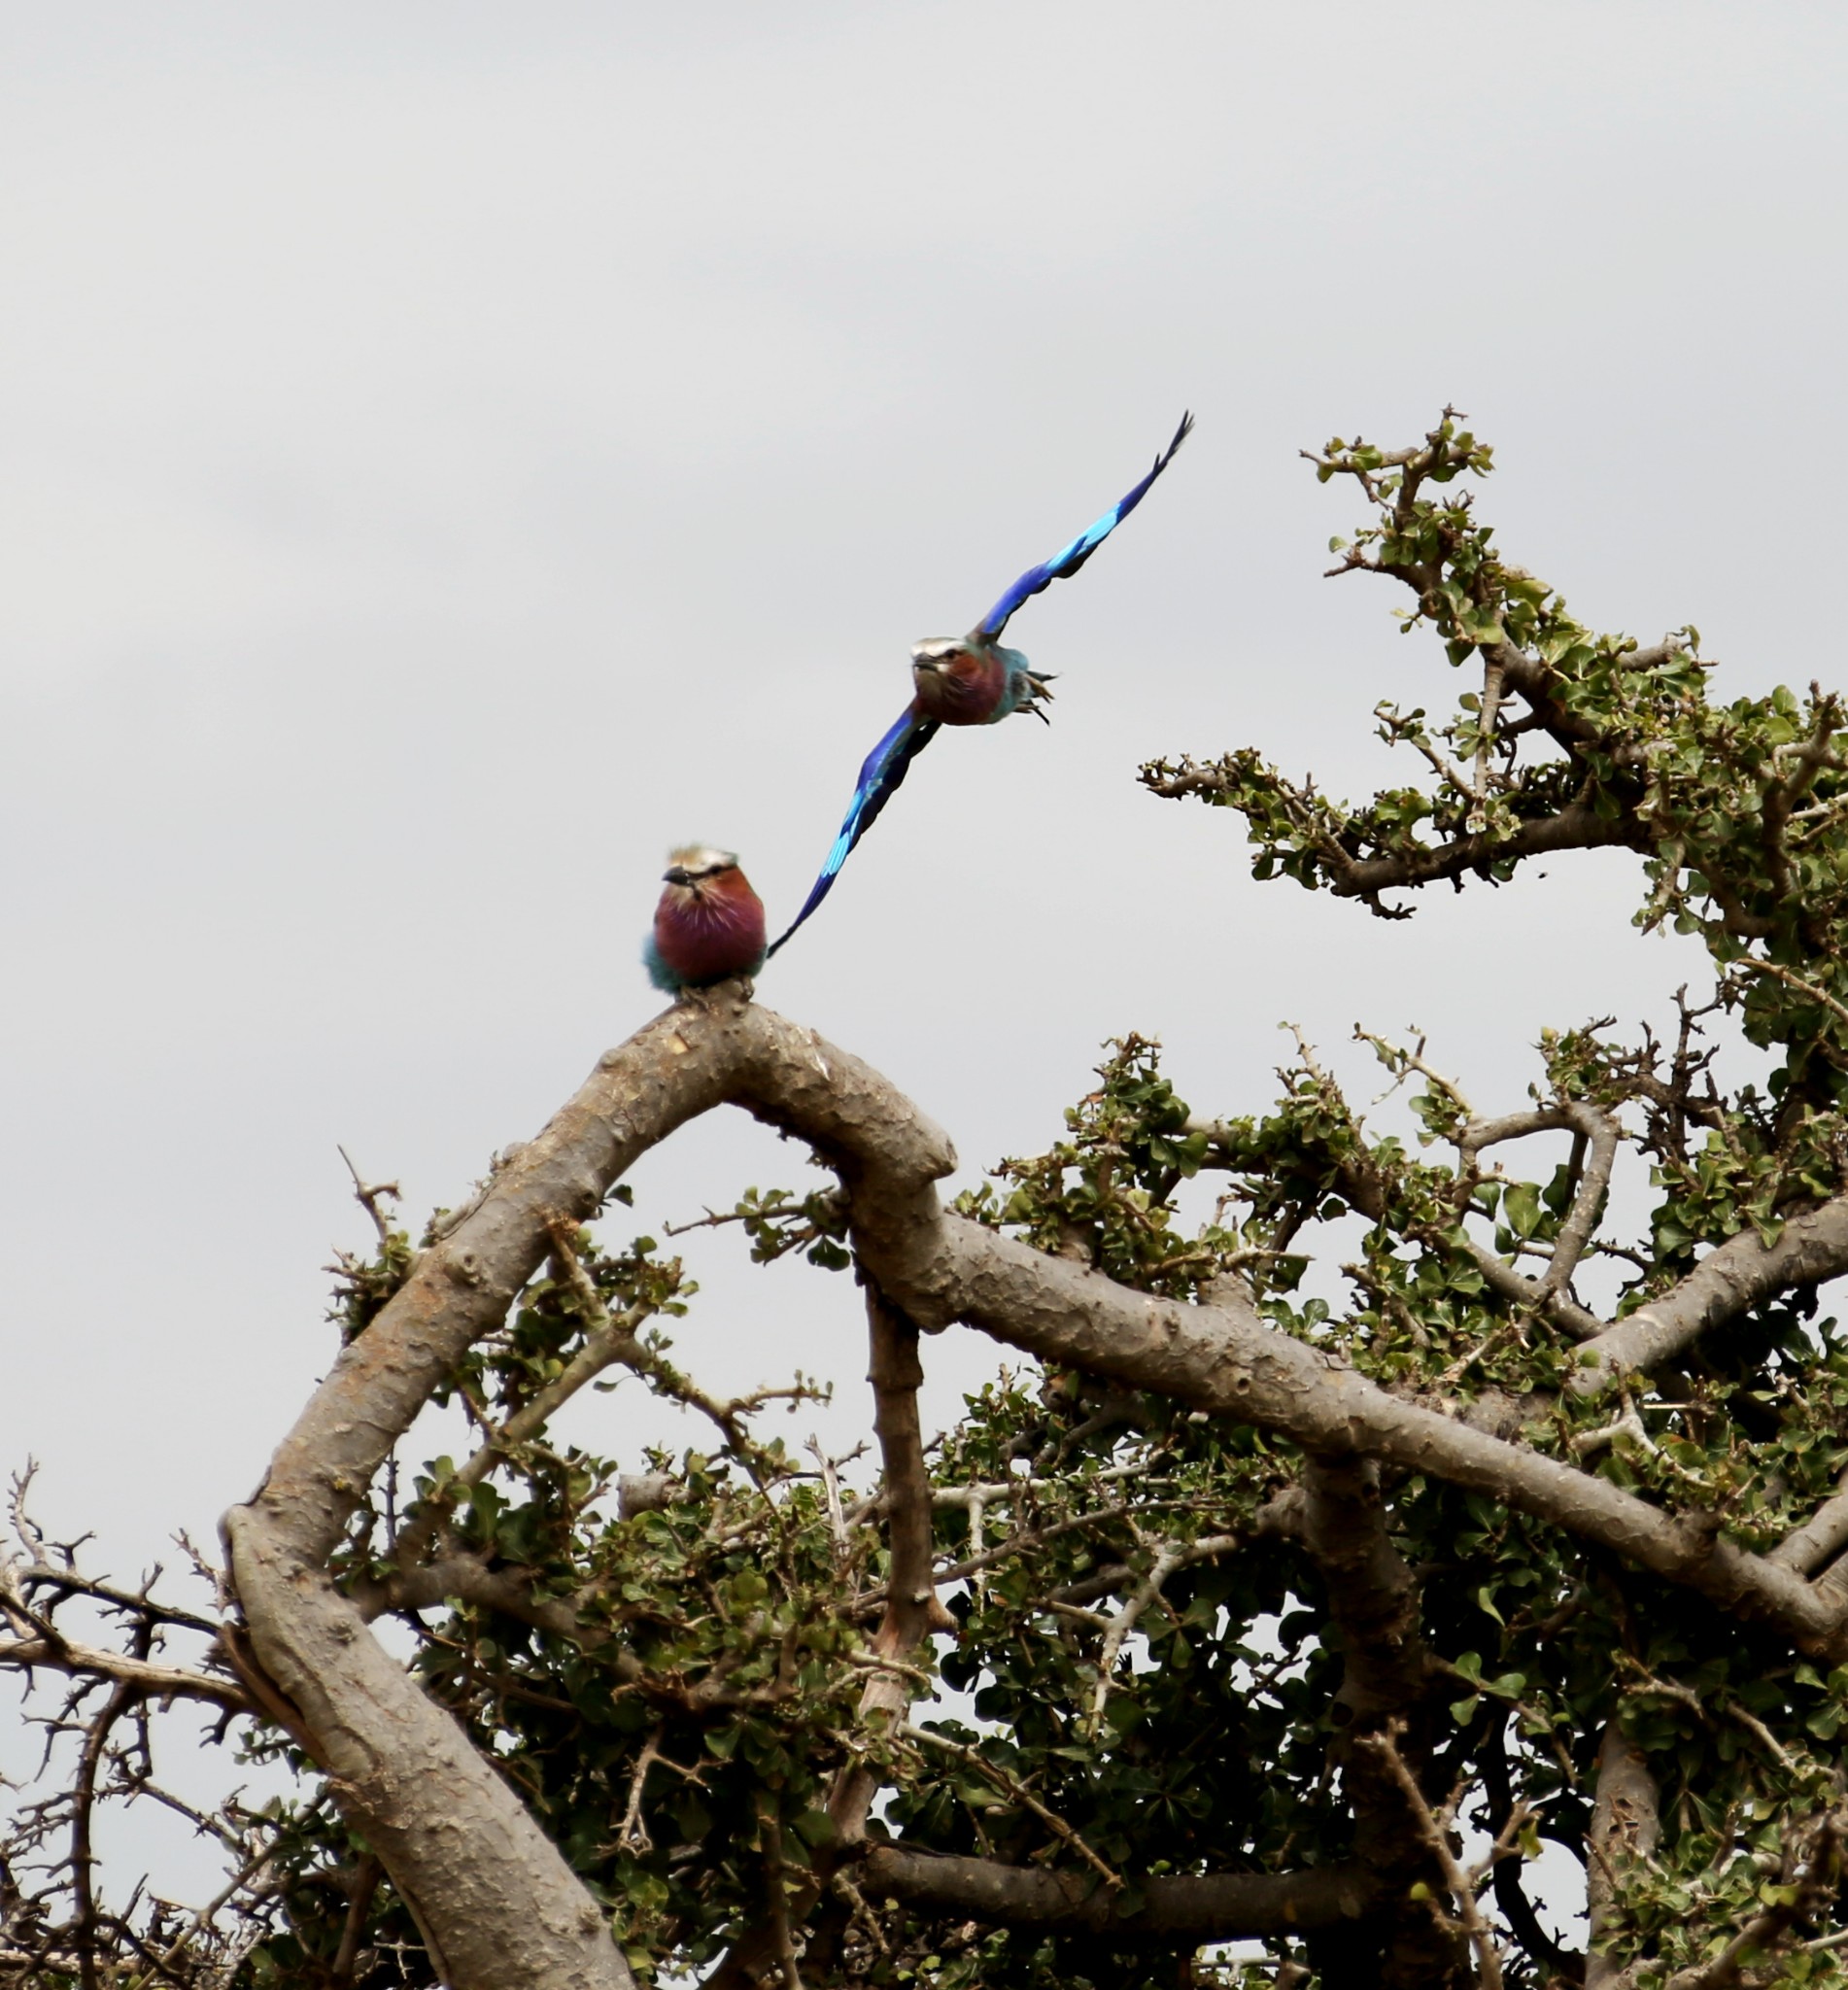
(679, 874)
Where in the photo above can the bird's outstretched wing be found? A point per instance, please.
(886, 766)
(1069, 559)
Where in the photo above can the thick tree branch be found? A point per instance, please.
(1819, 1539)
(1372, 1595)
(1211, 1906)
(491, 1892)
(1625, 1828)
(1227, 1360)
(1373, 1600)
(1731, 1278)
(495, 1898)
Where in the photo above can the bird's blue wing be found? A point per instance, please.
(886, 766)
(1069, 559)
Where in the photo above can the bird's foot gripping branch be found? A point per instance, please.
(1332, 1587)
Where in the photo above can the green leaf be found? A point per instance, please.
(814, 1828)
(1520, 1208)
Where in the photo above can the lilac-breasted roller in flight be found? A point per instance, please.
(709, 926)
(968, 680)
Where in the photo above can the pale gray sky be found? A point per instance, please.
(449, 453)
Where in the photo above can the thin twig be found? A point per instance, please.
(1747, 964)
(368, 1195)
(1018, 1790)
(633, 1836)
(1492, 667)
(1169, 1557)
(831, 1494)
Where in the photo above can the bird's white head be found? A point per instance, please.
(935, 651)
(697, 864)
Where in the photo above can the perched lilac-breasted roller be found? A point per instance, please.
(968, 680)
(709, 923)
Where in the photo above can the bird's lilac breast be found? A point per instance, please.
(969, 692)
(711, 936)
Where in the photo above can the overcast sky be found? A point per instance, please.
(449, 453)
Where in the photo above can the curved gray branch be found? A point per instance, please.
(1731, 1278)
(1819, 1541)
(1600, 1134)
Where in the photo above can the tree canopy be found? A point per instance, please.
(1364, 1512)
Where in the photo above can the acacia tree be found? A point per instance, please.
(1272, 1615)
